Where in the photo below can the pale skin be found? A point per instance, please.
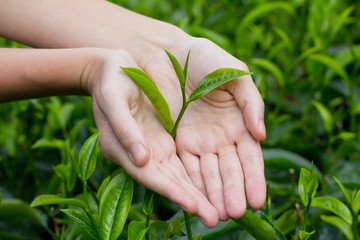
(220, 168)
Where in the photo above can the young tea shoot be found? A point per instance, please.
(208, 83)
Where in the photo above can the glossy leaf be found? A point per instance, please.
(356, 202)
(340, 224)
(81, 218)
(179, 71)
(159, 230)
(48, 199)
(287, 221)
(215, 79)
(325, 115)
(333, 205)
(305, 235)
(148, 202)
(136, 231)
(87, 157)
(256, 227)
(344, 191)
(154, 95)
(102, 187)
(186, 65)
(279, 234)
(305, 176)
(115, 205)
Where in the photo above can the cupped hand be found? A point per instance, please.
(132, 136)
(217, 139)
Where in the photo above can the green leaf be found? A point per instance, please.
(256, 227)
(282, 159)
(332, 64)
(159, 230)
(270, 67)
(67, 177)
(280, 235)
(74, 163)
(65, 114)
(16, 210)
(136, 231)
(215, 79)
(305, 176)
(53, 199)
(340, 224)
(81, 218)
(154, 95)
(46, 143)
(148, 202)
(333, 205)
(305, 235)
(186, 65)
(179, 71)
(102, 187)
(115, 205)
(356, 202)
(287, 221)
(87, 157)
(325, 115)
(344, 191)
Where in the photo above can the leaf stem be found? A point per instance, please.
(173, 131)
(306, 214)
(187, 224)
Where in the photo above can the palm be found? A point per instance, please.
(213, 140)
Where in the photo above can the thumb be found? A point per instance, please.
(251, 105)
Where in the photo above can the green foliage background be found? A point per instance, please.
(305, 56)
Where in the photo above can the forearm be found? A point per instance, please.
(30, 73)
(85, 23)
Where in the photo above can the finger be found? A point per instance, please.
(252, 163)
(251, 104)
(192, 166)
(233, 181)
(213, 183)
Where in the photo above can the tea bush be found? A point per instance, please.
(305, 59)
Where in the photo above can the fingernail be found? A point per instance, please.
(138, 153)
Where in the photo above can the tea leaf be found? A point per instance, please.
(305, 176)
(356, 202)
(81, 218)
(87, 157)
(256, 227)
(179, 71)
(305, 235)
(136, 231)
(102, 187)
(270, 67)
(340, 224)
(148, 202)
(53, 199)
(344, 191)
(17, 210)
(333, 205)
(287, 221)
(215, 79)
(325, 115)
(159, 230)
(115, 205)
(186, 65)
(154, 95)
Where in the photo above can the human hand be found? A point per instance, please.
(217, 139)
(126, 117)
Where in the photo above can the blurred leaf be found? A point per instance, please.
(18, 210)
(270, 67)
(215, 79)
(305, 176)
(114, 206)
(332, 64)
(282, 159)
(325, 115)
(148, 202)
(333, 205)
(67, 177)
(53, 199)
(154, 95)
(287, 222)
(265, 8)
(356, 202)
(47, 143)
(305, 235)
(87, 157)
(81, 218)
(158, 230)
(340, 224)
(344, 191)
(256, 227)
(65, 114)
